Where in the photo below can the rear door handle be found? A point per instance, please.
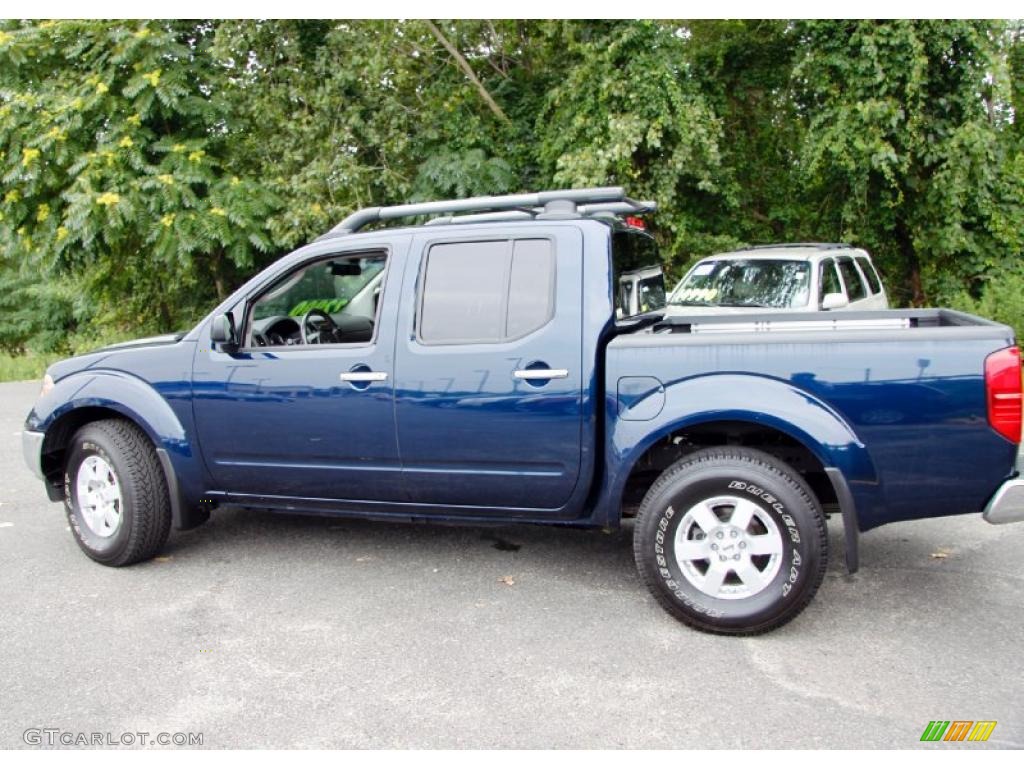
(533, 374)
(363, 376)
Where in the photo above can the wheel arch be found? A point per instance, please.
(740, 409)
(93, 396)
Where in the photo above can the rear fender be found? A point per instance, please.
(757, 400)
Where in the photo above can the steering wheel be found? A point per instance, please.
(314, 335)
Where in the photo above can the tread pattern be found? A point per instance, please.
(139, 471)
(761, 461)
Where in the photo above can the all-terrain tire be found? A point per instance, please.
(126, 478)
(703, 569)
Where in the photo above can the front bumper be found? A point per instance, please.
(32, 449)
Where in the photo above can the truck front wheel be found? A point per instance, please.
(115, 493)
(731, 540)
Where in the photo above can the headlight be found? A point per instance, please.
(47, 385)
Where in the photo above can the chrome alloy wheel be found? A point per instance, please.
(98, 493)
(728, 547)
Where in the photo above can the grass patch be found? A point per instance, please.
(23, 367)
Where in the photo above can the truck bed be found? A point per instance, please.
(908, 384)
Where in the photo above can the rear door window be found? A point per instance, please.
(869, 272)
(486, 291)
(855, 289)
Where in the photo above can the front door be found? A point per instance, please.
(488, 361)
(306, 407)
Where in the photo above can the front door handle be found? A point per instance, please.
(543, 374)
(363, 377)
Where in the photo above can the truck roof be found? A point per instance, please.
(789, 251)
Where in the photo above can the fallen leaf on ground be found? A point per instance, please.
(365, 559)
(942, 553)
(163, 559)
(508, 581)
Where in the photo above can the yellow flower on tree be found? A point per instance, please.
(142, 34)
(126, 142)
(43, 213)
(56, 134)
(235, 181)
(167, 219)
(12, 196)
(216, 211)
(109, 198)
(134, 120)
(62, 232)
(196, 156)
(102, 87)
(166, 178)
(153, 77)
(28, 155)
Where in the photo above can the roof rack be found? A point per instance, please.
(819, 246)
(552, 204)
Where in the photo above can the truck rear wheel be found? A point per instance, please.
(115, 493)
(731, 540)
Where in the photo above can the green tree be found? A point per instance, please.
(903, 148)
(114, 145)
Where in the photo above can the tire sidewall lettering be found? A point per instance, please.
(101, 546)
(785, 584)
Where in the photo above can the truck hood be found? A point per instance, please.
(148, 341)
(112, 355)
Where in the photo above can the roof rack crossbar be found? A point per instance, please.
(820, 246)
(596, 198)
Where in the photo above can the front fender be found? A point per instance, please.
(136, 400)
(758, 400)
(116, 391)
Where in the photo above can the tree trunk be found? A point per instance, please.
(910, 262)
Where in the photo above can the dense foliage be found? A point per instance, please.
(149, 167)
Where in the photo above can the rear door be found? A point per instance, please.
(488, 370)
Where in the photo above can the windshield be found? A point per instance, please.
(768, 283)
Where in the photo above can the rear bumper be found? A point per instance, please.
(1007, 505)
(32, 450)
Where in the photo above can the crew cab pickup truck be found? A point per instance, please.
(472, 368)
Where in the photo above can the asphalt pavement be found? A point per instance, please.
(266, 630)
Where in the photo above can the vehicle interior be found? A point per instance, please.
(329, 301)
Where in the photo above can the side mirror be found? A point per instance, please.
(222, 332)
(834, 301)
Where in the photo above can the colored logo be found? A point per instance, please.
(958, 730)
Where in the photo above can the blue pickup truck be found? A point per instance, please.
(474, 368)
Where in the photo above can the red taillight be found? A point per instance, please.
(1003, 388)
(635, 221)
